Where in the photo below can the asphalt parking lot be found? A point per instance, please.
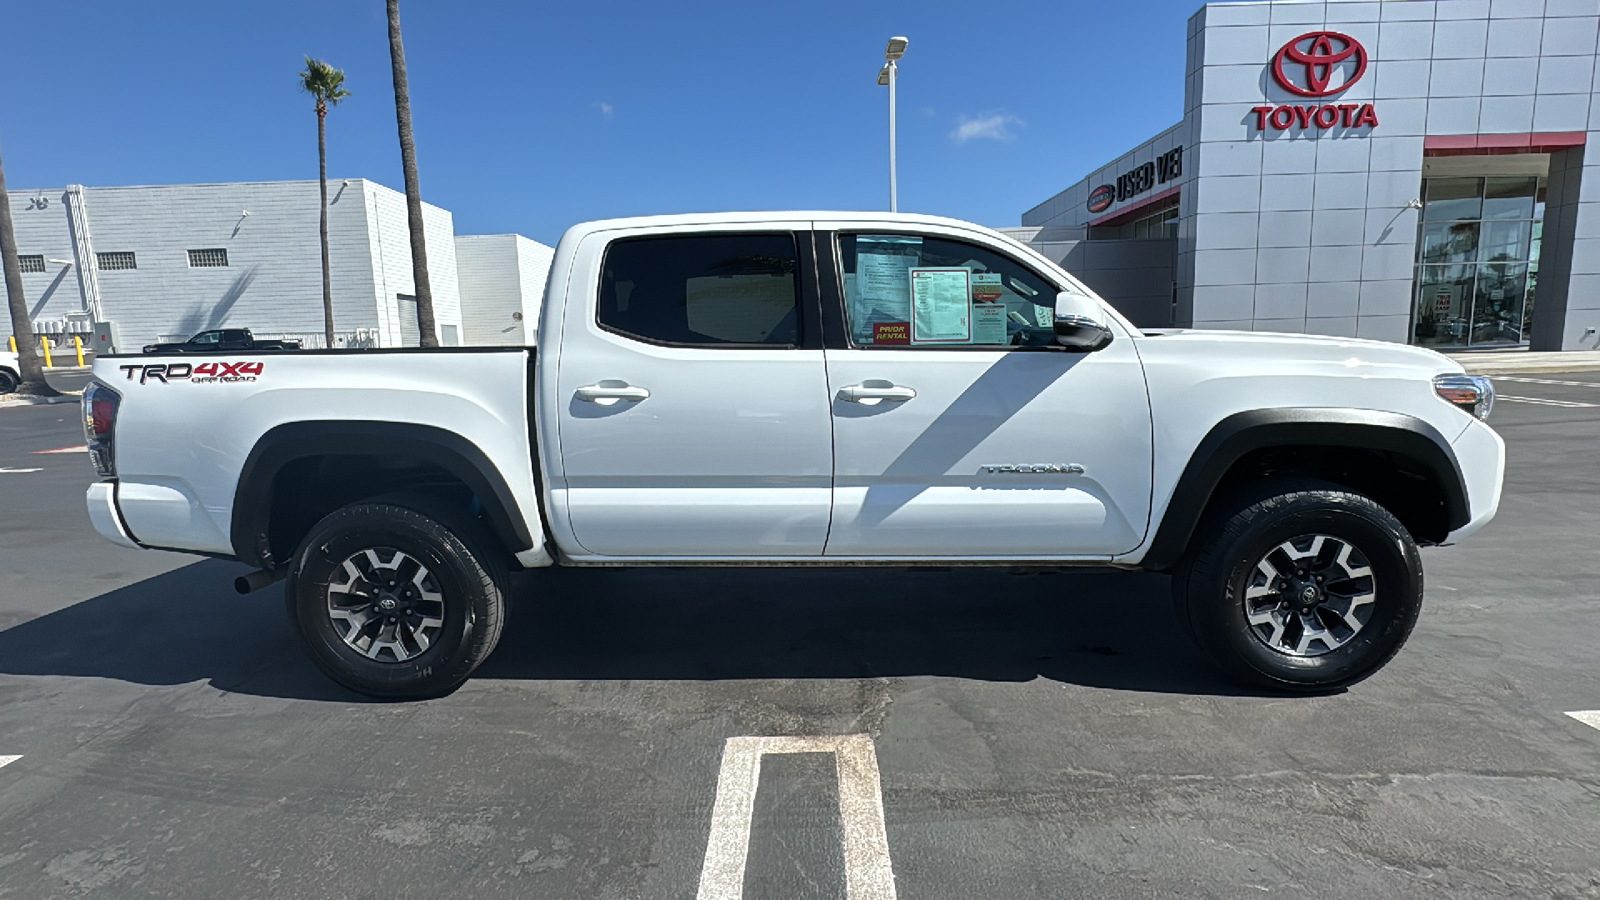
(1034, 735)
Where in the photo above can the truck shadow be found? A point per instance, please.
(1094, 628)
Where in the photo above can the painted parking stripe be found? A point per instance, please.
(1566, 404)
(8, 760)
(81, 448)
(6, 471)
(1587, 384)
(1589, 717)
(867, 872)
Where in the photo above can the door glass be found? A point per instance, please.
(703, 290)
(1497, 307)
(919, 291)
(1444, 304)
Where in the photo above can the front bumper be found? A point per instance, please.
(1481, 454)
(102, 500)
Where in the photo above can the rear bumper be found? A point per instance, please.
(102, 500)
(1481, 454)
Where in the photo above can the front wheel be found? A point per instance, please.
(1304, 588)
(397, 603)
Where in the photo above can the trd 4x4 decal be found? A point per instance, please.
(204, 373)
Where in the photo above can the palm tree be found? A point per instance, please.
(325, 83)
(21, 323)
(408, 162)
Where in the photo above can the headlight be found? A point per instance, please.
(1472, 393)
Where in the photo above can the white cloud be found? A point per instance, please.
(992, 126)
(606, 109)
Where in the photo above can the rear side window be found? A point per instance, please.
(703, 290)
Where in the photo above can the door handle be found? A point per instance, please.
(876, 391)
(612, 391)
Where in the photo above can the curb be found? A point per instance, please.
(39, 401)
(1529, 367)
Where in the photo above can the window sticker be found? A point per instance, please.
(941, 306)
(1044, 316)
(986, 287)
(882, 261)
(891, 333)
(989, 323)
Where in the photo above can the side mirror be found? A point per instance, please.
(1080, 333)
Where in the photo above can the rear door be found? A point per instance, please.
(693, 397)
(960, 429)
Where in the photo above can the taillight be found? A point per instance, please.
(99, 426)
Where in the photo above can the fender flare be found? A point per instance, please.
(1241, 433)
(283, 444)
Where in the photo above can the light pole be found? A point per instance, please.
(891, 54)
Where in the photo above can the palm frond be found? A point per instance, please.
(323, 81)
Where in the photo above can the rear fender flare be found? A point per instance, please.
(282, 445)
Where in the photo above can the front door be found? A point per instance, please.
(960, 429)
(693, 400)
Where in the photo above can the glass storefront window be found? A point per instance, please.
(1453, 198)
(1477, 260)
(1449, 242)
(1509, 198)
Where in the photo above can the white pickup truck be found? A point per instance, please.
(808, 389)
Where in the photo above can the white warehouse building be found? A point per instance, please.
(161, 262)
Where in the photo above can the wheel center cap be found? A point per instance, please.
(1308, 594)
(386, 603)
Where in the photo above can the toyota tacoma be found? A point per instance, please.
(786, 389)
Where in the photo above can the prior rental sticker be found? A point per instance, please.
(204, 373)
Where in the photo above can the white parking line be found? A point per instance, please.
(1589, 717)
(6, 471)
(867, 872)
(1587, 384)
(81, 448)
(1568, 404)
(8, 760)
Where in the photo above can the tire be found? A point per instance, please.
(8, 381)
(1251, 596)
(447, 614)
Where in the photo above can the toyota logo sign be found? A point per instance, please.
(1310, 65)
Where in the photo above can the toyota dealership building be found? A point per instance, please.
(1422, 171)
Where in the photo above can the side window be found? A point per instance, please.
(920, 291)
(206, 337)
(703, 290)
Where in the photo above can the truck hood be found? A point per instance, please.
(1259, 347)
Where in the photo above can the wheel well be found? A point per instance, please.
(308, 488)
(1402, 484)
(299, 472)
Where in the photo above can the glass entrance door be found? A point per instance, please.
(1477, 259)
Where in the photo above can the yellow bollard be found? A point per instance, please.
(45, 343)
(77, 344)
(11, 342)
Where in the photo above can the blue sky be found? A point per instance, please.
(532, 116)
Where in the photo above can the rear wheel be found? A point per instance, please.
(1301, 587)
(397, 602)
(8, 381)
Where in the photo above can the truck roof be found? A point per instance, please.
(770, 215)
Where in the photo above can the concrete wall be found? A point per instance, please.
(389, 241)
(273, 281)
(1135, 276)
(501, 275)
